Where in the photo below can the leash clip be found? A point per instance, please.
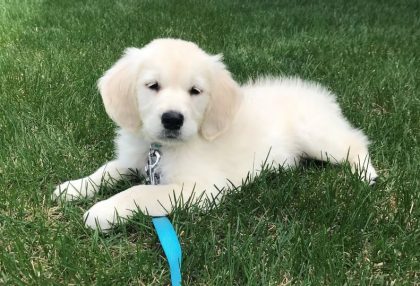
(153, 159)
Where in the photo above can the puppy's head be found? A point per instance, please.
(170, 90)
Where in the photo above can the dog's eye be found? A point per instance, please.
(195, 91)
(153, 86)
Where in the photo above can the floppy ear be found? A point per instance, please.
(225, 99)
(118, 90)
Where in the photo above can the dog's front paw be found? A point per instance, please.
(100, 216)
(104, 214)
(369, 174)
(73, 190)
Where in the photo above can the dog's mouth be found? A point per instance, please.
(171, 135)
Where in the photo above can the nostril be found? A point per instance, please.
(172, 120)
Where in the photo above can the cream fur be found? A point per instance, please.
(228, 130)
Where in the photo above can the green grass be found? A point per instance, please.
(314, 225)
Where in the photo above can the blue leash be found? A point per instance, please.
(171, 247)
(164, 228)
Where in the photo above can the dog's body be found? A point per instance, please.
(213, 133)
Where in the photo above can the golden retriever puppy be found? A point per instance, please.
(212, 132)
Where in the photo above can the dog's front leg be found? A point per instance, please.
(85, 187)
(153, 200)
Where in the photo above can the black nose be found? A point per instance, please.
(172, 120)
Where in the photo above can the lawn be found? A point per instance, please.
(314, 225)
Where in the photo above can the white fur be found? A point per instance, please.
(227, 134)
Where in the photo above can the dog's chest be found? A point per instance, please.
(211, 166)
